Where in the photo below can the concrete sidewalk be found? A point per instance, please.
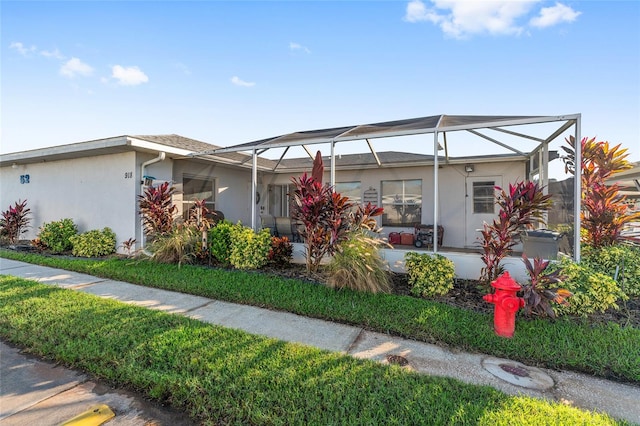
(580, 390)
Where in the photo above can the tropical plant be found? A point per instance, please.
(176, 246)
(129, 245)
(220, 242)
(281, 251)
(94, 243)
(620, 261)
(324, 214)
(521, 207)
(157, 209)
(15, 220)
(604, 211)
(56, 236)
(357, 264)
(591, 291)
(249, 250)
(200, 219)
(429, 275)
(541, 289)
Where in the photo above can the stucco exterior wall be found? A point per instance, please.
(233, 187)
(453, 195)
(95, 192)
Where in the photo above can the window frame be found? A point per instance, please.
(403, 202)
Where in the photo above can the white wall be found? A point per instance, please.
(233, 185)
(95, 192)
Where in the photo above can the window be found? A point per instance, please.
(402, 202)
(197, 188)
(350, 190)
(483, 197)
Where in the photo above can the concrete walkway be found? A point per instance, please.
(580, 390)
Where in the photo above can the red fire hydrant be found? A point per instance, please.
(506, 304)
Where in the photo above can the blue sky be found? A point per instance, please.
(232, 72)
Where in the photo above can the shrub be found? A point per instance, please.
(592, 291)
(604, 210)
(94, 243)
(249, 250)
(324, 214)
(157, 209)
(15, 221)
(56, 235)
(619, 261)
(176, 246)
(220, 242)
(540, 291)
(281, 251)
(357, 265)
(520, 207)
(429, 275)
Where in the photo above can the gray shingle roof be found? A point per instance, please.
(178, 141)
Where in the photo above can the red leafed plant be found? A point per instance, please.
(541, 291)
(281, 251)
(157, 209)
(324, 214)
(15, 220)
(604, 211)
(520, 208)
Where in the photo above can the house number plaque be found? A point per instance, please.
(24, 179)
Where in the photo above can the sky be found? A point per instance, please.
(232, 72)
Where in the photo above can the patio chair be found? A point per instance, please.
(269, 221)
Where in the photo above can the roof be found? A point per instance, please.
(174, 145)
(413, 126)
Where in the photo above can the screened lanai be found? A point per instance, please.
(528, 136)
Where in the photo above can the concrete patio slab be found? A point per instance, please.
(280, 325)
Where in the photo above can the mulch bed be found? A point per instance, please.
(466, 294)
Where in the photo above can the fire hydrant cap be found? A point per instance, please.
(505, 282)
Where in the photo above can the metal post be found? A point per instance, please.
(435, 192)
(577, 193)
(333, 165)
(254, 187)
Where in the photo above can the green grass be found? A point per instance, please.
(608, 351)
(225, 376)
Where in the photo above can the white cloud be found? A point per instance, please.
(464, 18)
(128, 76)
(74, 67)
(21, 48)
(238, 82)
(297, 46)
(418, 12)
(52, 54)
(182, 67)
(550, 16)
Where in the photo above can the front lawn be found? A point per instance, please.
(224, 376)
(605, 350)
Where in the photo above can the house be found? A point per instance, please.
(96, 183)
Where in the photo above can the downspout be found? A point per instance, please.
(161, 156)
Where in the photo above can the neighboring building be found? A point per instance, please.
(96, 183)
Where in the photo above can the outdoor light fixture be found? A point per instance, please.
(14, 166)
(468, 168)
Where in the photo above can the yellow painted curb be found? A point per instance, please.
(94, 416)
